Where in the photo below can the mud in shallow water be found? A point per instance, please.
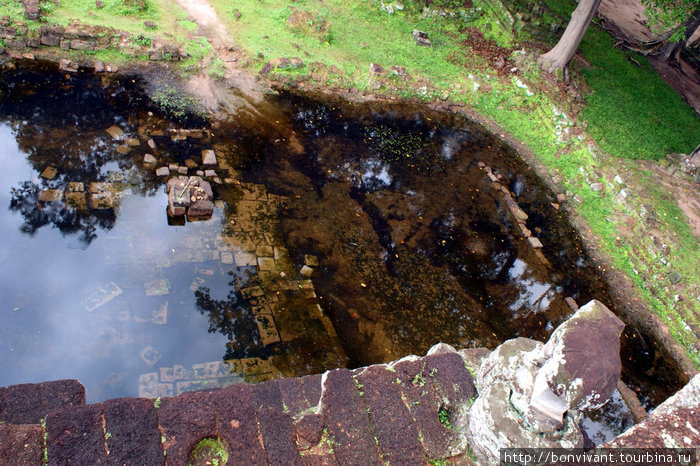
(414, 244)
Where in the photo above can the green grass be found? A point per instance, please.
(262, 28)
(631, 111)
(114, 13)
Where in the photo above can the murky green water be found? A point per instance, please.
(341, 235)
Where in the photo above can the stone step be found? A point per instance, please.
(184, 421)
(236, 413)
(421, 394)
(75, 436)
(29, 403)
(394, 427)
(346, 421)
(21, 444)
(131, 432)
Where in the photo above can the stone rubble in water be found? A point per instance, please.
(158, 287)
(49, 173)
(101, 296)
(160, 315)
(103, 196)
(532, 395)
(50, 195)
(150, 355)
(208, 157)
(116, 132)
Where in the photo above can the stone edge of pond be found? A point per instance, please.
(408, 412)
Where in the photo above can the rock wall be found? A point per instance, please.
(20, 41)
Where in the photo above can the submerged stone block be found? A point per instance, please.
(75, 187)
(49, 173)
(267, 329)
(50, 195)
(160, 315)
(101, 296)
(244, 259)
(103, 196)
(266, 263)
(158, 287)
(148, 385)
(123, 149)
(76, 200)
(208, 157)
(116, 132)
(150, 356)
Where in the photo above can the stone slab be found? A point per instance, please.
(393, 425)
(184, 421)
(278, 437)
(424, 402)
(157, 287)
(268, 330)
(76, 200)
(266, 263)
(208, 157)
(237, 424)
(50, 195)
(534, 242)
(21, 444)
(101, 296)
(245, 259)
(60, 394)
(75, 436)
(312, 388)
(293, 397)
(268, 395)
(346, 420)
(454, 381)
(22, 404)
(132, 427)
(49, 173)
(148, 385)
(123, 149)
(116, 132)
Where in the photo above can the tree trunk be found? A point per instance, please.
(670, 53)
(557, 59)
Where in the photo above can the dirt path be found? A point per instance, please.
(214, 95)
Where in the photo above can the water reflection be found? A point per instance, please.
(374, 223)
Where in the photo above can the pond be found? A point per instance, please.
(339, 235)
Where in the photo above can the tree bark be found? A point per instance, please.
(670, 53)
(557, 59)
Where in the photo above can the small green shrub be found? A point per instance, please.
(143, 41)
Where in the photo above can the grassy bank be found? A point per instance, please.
(628, 115)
